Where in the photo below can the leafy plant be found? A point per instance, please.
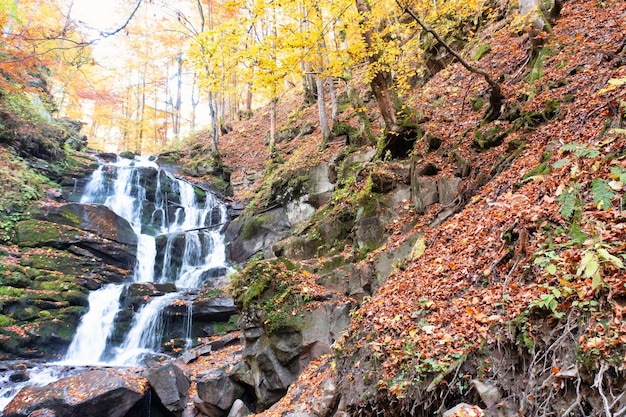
(589, 266)
(602, 193)
(549, 301)
(570, 201)
(581, 151)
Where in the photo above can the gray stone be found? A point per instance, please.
(218, 391)
(298, 247)
(488, 392)
(448, 189)
(94, 393)
(287, 346)
(323, 404)
(364, 155)
(320, 186)
(214, 309)
(249, 237)
(171, 385)
(239, 409)
(299, 211)
(530, 11)
(464, 410)
(188, 356)
(424, 192)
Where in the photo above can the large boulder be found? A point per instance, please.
(273, 361)
(210, 309)
(363, 279)
(94, 393)
(257, 234)
(93, 218)
(217, 392)
(40, 233)
(171, 385)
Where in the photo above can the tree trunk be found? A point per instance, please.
(555, 11)
(272, 144)
(358, 106)
(179, 99)
(194, 104)
(321, 109)
(334, 107)
(379, 84)
(215, 125)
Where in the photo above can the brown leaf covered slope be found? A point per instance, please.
(535, 244)
(539, 239)
(465, 287)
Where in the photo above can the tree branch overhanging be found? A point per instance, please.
(116, 31)
(495, 97)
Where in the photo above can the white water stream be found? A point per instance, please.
(119, 186)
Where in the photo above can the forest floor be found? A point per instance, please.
(538, 242)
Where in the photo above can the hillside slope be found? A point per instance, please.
(518, 284)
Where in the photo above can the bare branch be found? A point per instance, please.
(116, 31)
(496, 92)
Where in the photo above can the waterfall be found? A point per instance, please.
(144, 336)
(96, 326)
(172, 212)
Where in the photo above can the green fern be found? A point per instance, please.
(581, 151)
(619, 173)
(570, 201)
(602, 194)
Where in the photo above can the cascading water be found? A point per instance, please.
(176, 216)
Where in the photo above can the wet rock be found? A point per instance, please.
(93, 218)
(94, 393)
(140, 293)
(171, 385)
(107, 156)
(46, 412)
(217, 393)
(214, 308)
(20, 374)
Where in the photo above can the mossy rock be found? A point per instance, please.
(477, 103)
(490, 137)
(298, 247)
(271, 289)
(27, 313)
(59, 261)
(253, 226)
(13, 278)
(345, 129)
(127, 155)
(34, 233)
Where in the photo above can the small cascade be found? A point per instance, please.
(178, 242)
(95, 326)
(145, 334)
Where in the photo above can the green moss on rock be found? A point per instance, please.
(33, 233)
